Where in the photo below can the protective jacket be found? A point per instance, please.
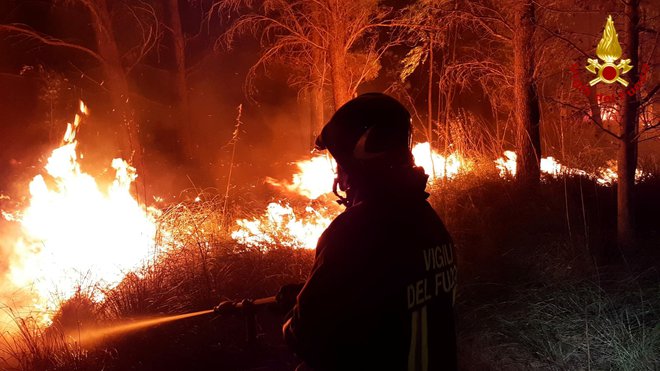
(380, 295)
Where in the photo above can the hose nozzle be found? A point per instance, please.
(226, 307)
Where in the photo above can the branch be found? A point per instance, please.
(648, 30)
(49, 40)
(646, 130)
(560, 37)
(649, 138)
(600, 126)
(150, 36)
(649, 95)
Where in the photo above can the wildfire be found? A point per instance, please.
(77, 235)
(282, 225)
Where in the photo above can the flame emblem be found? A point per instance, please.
(609, 50)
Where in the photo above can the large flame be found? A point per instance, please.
(609, 48)
(76, 234)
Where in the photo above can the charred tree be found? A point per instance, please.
(526, 100)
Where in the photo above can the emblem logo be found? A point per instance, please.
(609, 50)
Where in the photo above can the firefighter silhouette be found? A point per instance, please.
(380, 294)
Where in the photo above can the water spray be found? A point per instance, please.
(246, 307)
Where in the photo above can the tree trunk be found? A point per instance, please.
(595, 108)
(340, 86)
(526, 104)
(341, 89)
(429, 97)
(316, 111)
(181, 82)
(317, 75)
(117, 84)
(627, 158)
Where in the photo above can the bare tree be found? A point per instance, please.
(326, 43)
(449, 30)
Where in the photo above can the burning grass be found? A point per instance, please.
(530, 293)
(210, 248)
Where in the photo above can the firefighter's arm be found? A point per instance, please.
(320, 309)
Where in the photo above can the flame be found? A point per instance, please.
(609, 48)
(281, 226)
(607, 176)
(313, 179)
(436, 165)
(507, 164)
(76, 235)
(549, 165)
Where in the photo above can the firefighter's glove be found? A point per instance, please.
(226, 307)
(286, 297)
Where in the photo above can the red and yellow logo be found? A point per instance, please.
(609, 50)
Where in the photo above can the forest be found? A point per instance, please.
(157, 158)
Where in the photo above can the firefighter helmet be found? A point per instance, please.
(371, 132)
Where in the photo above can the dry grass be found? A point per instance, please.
(34, 347)
(572, 325)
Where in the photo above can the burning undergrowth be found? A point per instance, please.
(89, 254)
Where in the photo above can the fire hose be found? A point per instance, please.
(248, 308)
(283, 301)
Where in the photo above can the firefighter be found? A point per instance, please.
(380, 295)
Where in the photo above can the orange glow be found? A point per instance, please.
(76, 234)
